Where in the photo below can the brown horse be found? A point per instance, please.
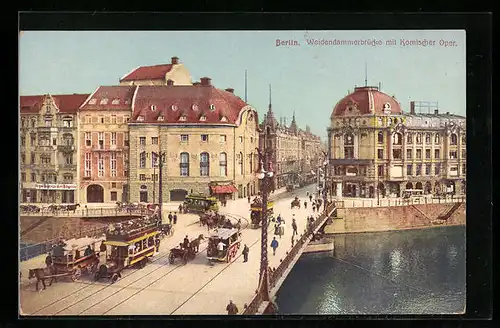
(72, 207)
(43, 273)
(195, 243)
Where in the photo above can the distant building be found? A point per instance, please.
(376, 148)
(158, 74)
(48, 148)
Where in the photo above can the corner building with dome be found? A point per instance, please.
(377, 150)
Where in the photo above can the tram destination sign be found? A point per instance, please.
(56, 186)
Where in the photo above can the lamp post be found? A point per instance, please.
(161, 158)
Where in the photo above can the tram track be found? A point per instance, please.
(164, 255)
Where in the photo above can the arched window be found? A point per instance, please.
(142, 160)
(154, 159)
(409, 138)
(380, 138)
(453, 139)
(419, 138)
(33, 123)
(223, 164)
(204, 165)
(68, 139)
(397, 139)
(240, 163)
(268, 130)
(184, 165)
(436, 138)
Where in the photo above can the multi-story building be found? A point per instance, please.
(376, 148)
(206, 136)
(158, 74)
(48, 148)
(295, 152)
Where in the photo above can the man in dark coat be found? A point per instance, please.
(170, 217)
(245, 252)
(175, 218)
(231, 308)
(185, 244)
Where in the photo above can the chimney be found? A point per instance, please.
(206, 81)
(175, 60)
(230, 90)
(412, 107)
(170, 82)
(436, 112)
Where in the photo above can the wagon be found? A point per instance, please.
(180, 253)
(231, 238)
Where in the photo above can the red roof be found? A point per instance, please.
(148, 73)
(110, 98)
(30, 104)
(69, 103)
(228, 189)
(367, 100)
(194, 103)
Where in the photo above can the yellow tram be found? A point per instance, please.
(198, 203)
(256, 211)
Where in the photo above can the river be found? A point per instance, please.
(401, 272)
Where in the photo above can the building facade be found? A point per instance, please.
(295, 153)
(206, 138)
(48, 148)
(158, 74)
(376, 150)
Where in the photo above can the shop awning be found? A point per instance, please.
(227, 189)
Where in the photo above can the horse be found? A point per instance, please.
(72, 207)
(41, 274)
(295, 203)
(195, 243)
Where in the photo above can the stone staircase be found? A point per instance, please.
(446, 215)
(421, 212)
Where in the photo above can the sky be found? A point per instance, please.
(308, 79)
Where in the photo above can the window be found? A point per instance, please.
(33, 123)
(154, 177)
(409, 153)
(142, 177)
(437, 169)
(45, 159)
(112, 164)
(409, 138)
(204, 165)
(142, 160)
(113, 118)
(428, 169)
(436, 153)
(33, 139)
(240, 138)
(88, 139)
(464, 169)
(204, 137)
(427, 153)
(88, 119)
(428, 138)
(464, 154)
(348, 152)
(419, 153)
(23, 141)
(396, 154)
(240, 163)
(142, 141)
(419, 170)
(100, 165)
(154, 159)
(113, 184)
(419, 138)
(222, 138)
(154, 140)
(223, 164)
(453, 139)
(88, 164)
(409, 169)
(454, 168)
(68, 159)
(48, 123)
(101, 140)
(380, 169)
(184, 166)
(184, 138)
(125, 173)
(380, 153)
(397, 139)
(113, 138)
(68, 178)
(23, 159)
(114, 195)
(453, 154)
(67, 123)
(33, 158)
(380, 138)
(23, 177)
(464, 139)
(125, 141)
(101, 119)
(436, 138)
(33, 177)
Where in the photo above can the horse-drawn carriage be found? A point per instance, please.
(213, 220)
(166, 229)
(231, 242)
(256, 211)
(295, 203)
(185, 251)
(129, 244)
(198, 203)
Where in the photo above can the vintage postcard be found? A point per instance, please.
(242, 172)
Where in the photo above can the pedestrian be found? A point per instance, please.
(248, 199)
(245, 253)
(170, 217)
(278, 219)
(294, 227)
(175, 217)
(185, 244)
(180, 208)
(231, 308)
(274, 245)
(305, 204)
(314, 208)
(311, 198)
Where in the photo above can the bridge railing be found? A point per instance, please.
(383, 202)
(89, 212)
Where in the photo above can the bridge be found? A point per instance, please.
(102, 212)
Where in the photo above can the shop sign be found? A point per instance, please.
(56, 186)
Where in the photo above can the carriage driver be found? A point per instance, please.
(220, 248)
(88, 251)
(185, 244)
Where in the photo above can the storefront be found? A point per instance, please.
(53, 193)
(222, 190)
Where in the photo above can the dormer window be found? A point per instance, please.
(212, 107)
(182, 118)
(174, 107)
(93, 101)
(161, 118)
(115, 102)
(223, 119)
(104, 101)
(140, 118)
(194, 107)
(203, 118)
(153, 108)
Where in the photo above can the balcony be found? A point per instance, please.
(66, 148)
(66, 166)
